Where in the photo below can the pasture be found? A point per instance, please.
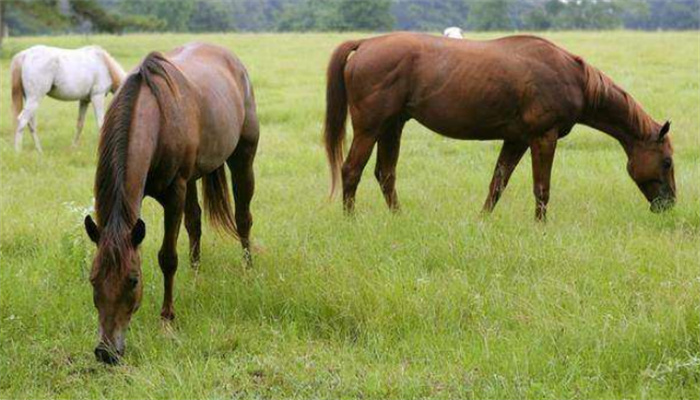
(436, 302)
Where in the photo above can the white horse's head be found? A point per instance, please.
(453, 32)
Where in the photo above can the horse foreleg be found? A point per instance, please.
(388, 147)
(542, 151)
(98, 104)
(243, 182)
(173, 203)
(508, 159)
(360, 151)
(82, 110)
(193, 222)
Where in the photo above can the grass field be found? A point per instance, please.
(436, 302)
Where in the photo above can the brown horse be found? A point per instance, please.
(523, 90)
(176, 119)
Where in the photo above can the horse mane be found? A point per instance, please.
(599, 89)
(115, 215)
(116, 72)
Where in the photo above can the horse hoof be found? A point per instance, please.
(167, 315)
(247, 259)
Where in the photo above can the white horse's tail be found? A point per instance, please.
(17, 87)
(116, 72)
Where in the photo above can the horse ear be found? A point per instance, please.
(138, 232)
(92, 230)
(664, 131)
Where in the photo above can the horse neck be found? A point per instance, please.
(613, 111)
(126, 150)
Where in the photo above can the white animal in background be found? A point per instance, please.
(86, 75)
(453, 32)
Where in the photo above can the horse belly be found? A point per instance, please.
(217, 142)
(466, 98)
(467, 120)
(72, 81)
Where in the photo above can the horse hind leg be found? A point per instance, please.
(35, 135)
(363, 142)
(240, 164)
(388, 146)
(193, 222)
(511, 154)
(27, 118)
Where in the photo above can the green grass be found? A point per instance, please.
(436, 302)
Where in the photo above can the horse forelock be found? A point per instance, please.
(599, 88)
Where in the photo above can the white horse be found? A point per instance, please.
(453, 32)
(86, 75)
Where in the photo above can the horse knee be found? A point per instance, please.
(167, 261)
(351, 176)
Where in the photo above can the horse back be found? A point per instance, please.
(222, 94)
(497, 89)
(65, 74)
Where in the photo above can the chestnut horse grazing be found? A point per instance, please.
(178, 118)
(523, 90)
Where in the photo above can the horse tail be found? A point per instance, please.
(17, 86)
(217, 201)
(337, 108)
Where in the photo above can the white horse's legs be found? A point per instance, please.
(35, 136)
(23, 120)
(82, 110)
(98, 103)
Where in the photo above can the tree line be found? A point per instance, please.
(116, 16)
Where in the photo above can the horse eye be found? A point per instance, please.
(668, 163)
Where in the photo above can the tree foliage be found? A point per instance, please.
(492, 15)
(46, 16)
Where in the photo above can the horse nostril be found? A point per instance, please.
(104, 355)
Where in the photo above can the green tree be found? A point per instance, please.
(337, 15)
(490, 15)
(589, 14)
(173, 16)
(48, 16)
(430, 15)
(364, 15)
(307, 15)
(211, 16)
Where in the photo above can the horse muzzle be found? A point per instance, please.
(107, 355)
(661, 204)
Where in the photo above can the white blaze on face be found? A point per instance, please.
(453, 32)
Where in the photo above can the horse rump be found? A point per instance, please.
(337, 108)
(17, 87)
